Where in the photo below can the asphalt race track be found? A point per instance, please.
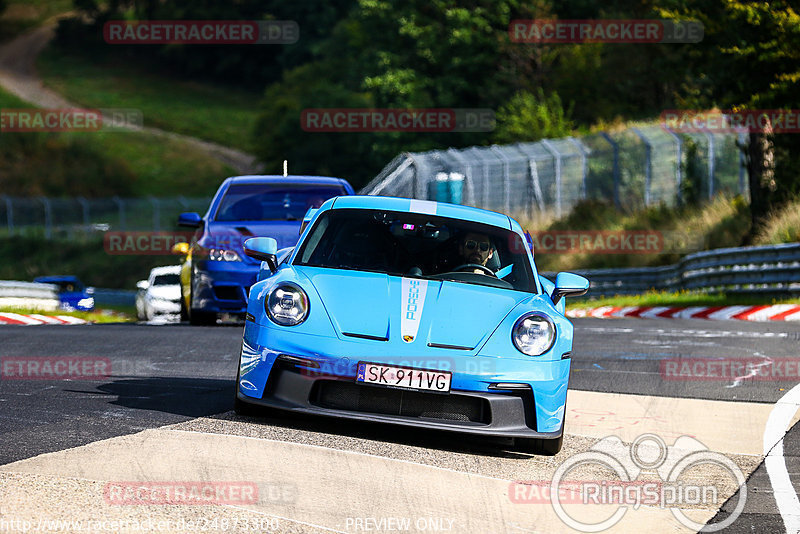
(163, 414)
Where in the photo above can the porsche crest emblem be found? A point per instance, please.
(408, 339)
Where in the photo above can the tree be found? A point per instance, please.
(530, 117)
(750, 59)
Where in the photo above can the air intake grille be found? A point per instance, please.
(354, 397)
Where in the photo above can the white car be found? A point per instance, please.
(160, 294)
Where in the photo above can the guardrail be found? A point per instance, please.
(29, 295)
(764, 270)
(114, 297)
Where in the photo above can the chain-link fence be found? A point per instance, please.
(78, 217)
(636, 167)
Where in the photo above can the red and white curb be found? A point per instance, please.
(773, 312)
(35, 318)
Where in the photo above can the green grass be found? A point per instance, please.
(725, 222)
(160, 166)
(8, 100)
(103, 163)
(782, 227)
(205, 111)
(87, 260)
(97, 316)
(679, 299)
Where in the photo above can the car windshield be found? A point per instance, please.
(272, 202)
(68, 286)
(166, 280)
(418, 245)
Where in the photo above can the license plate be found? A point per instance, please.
(403, 377)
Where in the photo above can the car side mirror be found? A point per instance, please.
(264, 249)
(190, 220)
(569, 285)
(142, 284)
(181, 248)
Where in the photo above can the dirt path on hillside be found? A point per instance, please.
(18, 76)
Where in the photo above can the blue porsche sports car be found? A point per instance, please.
(215, 273)
(410, 312)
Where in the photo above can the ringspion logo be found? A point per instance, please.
(677, 486)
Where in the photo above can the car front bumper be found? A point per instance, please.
(222, 286)
(164, 307)
(280, 379)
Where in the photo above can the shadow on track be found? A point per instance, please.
(191, 397)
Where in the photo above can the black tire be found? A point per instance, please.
(199, 317)
(202, 318)
(184, 312)
(544, 447)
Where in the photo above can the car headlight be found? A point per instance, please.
(287, 304)
(221, 254)
(533, 334)
(86, 302)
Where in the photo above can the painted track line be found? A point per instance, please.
(774, 432)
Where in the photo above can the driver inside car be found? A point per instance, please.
(476, 249)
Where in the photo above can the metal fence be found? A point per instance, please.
(71, 217)
(634, 168)
(764, 270)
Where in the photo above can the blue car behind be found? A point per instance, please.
(72, 294)
(413, 313)
(216, 275)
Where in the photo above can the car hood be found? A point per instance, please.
(406, 310)
(232, 235)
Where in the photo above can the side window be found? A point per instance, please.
(313, 239)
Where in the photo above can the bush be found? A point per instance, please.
(529, 117)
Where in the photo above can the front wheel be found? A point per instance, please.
(184, 312)
(202, 318)
(199, 317)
